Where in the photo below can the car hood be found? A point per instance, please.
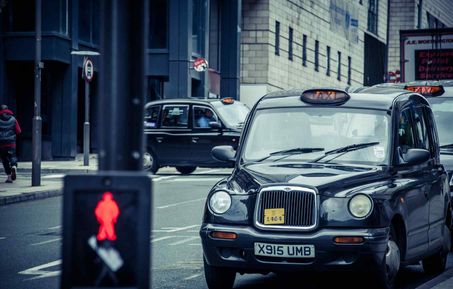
(327, 179)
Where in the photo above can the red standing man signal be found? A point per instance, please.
(107, 213)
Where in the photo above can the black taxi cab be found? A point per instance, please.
(439, 94)
(182, 132)
(329, 180)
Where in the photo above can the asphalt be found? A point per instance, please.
(22, 190)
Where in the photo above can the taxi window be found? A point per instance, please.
(422, 131)
(405, 132)
(175, 116)
(152, 116)
(202, 116)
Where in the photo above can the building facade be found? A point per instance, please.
(180, 31)
(414, 14)
(303, 43)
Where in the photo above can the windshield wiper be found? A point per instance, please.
(345, 149)
(290, 152)
(447, 146)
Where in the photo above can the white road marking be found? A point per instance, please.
(184, 241)
(54, 176)
(210, 171)
(46, 242)
(54, 228)
(195, 179)
(156, 179)
(41, 273)
(177, 229)
(181, 203)
(2, 238)
(161, 238)
(197, 244)
(192, 277)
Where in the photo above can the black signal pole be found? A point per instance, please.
(37, 121)
(122, 84)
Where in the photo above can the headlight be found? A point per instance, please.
(220, 202)
(360, 206)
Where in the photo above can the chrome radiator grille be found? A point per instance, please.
(299, 204)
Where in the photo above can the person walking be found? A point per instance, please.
(9, 129)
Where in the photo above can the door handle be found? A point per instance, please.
(194, 139)
(159, 139)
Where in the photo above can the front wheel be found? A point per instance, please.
(217, 277)
(387, 272)
(186, 170)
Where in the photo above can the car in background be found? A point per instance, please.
(328, 180)
(440, 97)
(182, 132)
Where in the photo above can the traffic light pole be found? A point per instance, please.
(122, 85)
(86, 124)
(37, 121)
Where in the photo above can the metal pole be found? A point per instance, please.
(122, 85)
(86, 124)
(37, 121)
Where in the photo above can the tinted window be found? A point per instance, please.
(422, 130)
(151, 116)
(202, 116)
(176, 116)
(405, 132)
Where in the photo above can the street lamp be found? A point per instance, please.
(87, 74)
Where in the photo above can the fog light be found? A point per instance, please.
(224, 235)
(349, 240)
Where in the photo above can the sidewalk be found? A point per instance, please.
(22, 190)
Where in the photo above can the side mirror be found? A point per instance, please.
(224, 153)
(214, 124)
(416, 156)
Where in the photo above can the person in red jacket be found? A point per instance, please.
(9, 129)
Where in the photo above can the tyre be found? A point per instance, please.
(218, 277)
(387, 272)
(150, 162)
(186, 170)
(436, 263)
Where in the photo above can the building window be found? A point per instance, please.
(89, 21)
(328, 61)
(290, 44)
(18, 18)
(373, 16)
(55, 16)
(304, 50)
(214, 35)
(158, 24)
(349, 69)
(277, 38)
(433, 22)
(198, 27)
(316, 55)
(339, 66)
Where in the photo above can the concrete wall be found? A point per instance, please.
(262, 68)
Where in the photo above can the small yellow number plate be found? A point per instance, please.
(274, 216)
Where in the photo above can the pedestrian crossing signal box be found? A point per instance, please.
(106, 231)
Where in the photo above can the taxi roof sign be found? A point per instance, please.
(426, 90)
(227, 100)
(325, 96)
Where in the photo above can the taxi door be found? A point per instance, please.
(207, 133)
(172, 140)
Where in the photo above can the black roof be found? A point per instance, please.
(368, 97)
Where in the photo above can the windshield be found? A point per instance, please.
(233, 114)
(442, 108)
(326, 129)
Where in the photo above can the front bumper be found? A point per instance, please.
(239, 254)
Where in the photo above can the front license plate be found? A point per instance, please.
(286, 251)
(274, 216)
